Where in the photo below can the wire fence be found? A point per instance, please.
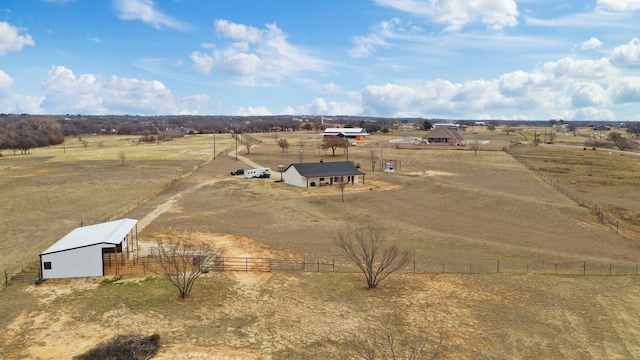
(604, 217)
(147, 266)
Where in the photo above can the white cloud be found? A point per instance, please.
(144, 10)
(11, 39)
(627, 55)
(20, 104)
(68, 93)
(241, 32)
(496, 14)
(625, 90)
(588, 94)
(6, 82)
(575, 68)
(202, 62)
(320, 106)
(620, 5)
(253, 111)
(330, 88)
(258, 57)
(592, 43)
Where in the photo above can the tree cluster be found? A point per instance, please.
(28, 133)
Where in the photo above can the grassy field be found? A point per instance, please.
(445, 204)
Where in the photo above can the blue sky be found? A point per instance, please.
(454, 59)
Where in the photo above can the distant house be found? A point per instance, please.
(444, 136)
(81, 252)
(350, 133)
(446, 124)
(323, 173)
(169, 134)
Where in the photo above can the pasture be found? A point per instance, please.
(445, 204)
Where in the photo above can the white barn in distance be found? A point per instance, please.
(80, 253)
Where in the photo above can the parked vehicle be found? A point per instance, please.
(263, 173)
(237, 172)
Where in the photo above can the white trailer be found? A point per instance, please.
(257, 173)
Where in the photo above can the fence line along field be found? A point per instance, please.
(456, 209)
(55, 189)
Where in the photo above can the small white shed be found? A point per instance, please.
(81, 252)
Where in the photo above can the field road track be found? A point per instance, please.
(165, 206)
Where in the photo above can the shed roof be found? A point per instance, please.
(112, 232)
(345, 131)
(321, 169)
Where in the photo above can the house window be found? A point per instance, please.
(321, 179)
(47, 265)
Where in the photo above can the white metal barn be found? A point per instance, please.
(81, 252)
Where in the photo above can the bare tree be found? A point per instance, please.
(393, 339)
(341, 186)
(302, 143)
(474, 145)
(365, 248)
(373, 157)
(333, 142)
(182, 262)
(283, 144)
(620, 141)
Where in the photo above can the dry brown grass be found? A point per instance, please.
(467, 207)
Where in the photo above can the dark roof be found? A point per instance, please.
(321, 169)
(444, 133)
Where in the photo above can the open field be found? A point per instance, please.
(445, 204)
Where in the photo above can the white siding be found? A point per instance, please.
(293, 177)
(72, 263)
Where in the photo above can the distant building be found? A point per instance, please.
(351, 133)
(444, 136)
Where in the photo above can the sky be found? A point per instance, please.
(434, 59)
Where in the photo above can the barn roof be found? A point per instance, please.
(444, 133)
(321, 169)
(345, 131)
(112, 232)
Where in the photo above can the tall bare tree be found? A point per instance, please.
(182, 262)
(373, 157)
(341, 184)
(365, 248)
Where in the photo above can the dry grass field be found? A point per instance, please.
(448, 205)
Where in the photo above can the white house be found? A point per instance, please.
(81, 252)
(323, 173)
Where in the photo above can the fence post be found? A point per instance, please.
(6, 279)
(333, 265)
(609, 269)
(304, 268)
(318, 265)
(584, 269)
(414, 266)
(498, 268)
(443, 267)
(246, 265)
